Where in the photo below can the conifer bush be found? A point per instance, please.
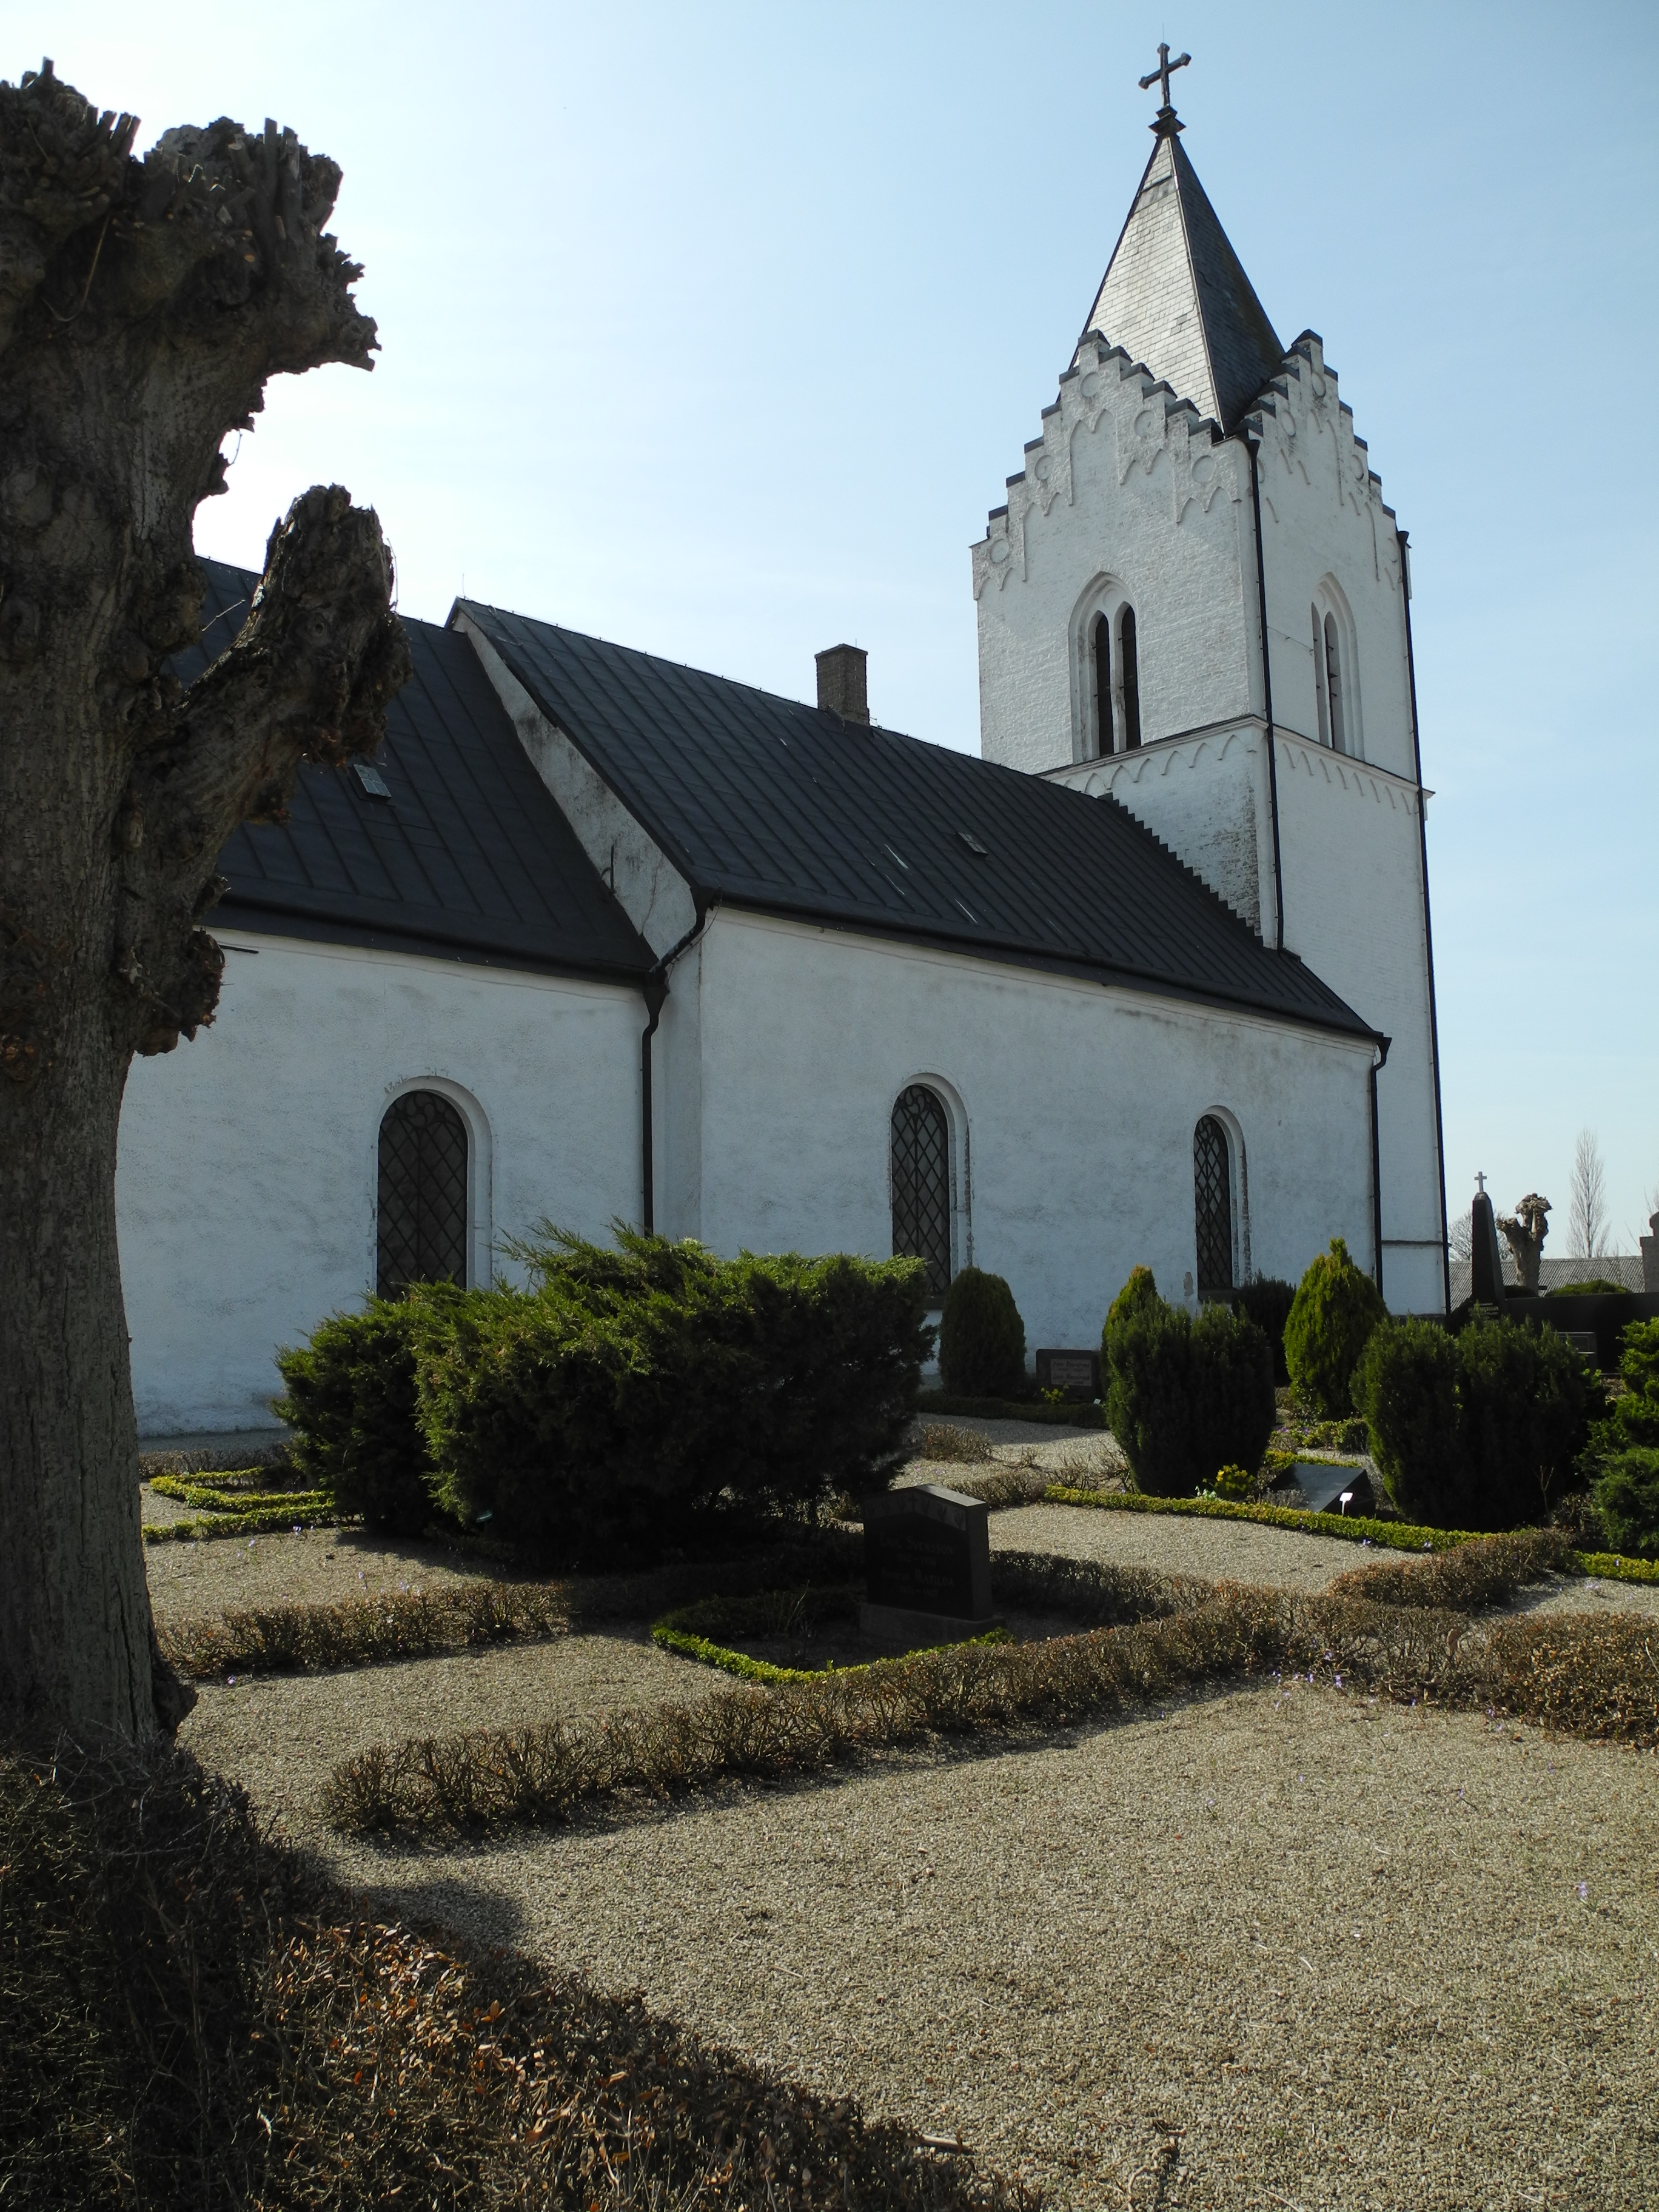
(1482, 1430)
(1335, 1309)
(1267, 1301)
(351, 1404)
(982, 1338)
(627, 1391)
(1626, 1446)
(1184, 1398)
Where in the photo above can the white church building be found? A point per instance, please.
(600, 936)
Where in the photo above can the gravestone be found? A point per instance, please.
(1487, 1265)
(1076, 1373)
(926, 1566)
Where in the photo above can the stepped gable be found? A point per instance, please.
(769, 804)
(1295, 413)
(1175, 296)
(467, 856)
(1147, 420)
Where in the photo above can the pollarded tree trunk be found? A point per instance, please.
(143, 305)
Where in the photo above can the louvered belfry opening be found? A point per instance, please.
(1212, 1199)
(423, 1194)
(921, 1184)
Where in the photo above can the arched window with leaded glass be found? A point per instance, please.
(1212, 1207)
(921, 1183)
(421, 1204)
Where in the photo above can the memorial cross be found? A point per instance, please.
(1164, 72)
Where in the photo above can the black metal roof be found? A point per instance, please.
(468, 857)
(773, 805)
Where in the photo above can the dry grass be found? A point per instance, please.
(191, 2018)
(358, 1631)
(941, 1443)
(1591, 1678)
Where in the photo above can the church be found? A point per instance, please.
(598, 936)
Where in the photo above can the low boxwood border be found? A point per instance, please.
(1350, 1527)
(266, 1522)
(670, 1635)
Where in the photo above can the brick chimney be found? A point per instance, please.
(843, 686)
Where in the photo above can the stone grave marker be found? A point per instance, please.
(1076, 1373)
(926, 1566)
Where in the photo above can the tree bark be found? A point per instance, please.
(143, 305)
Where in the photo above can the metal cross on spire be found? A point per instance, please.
(1164, 72)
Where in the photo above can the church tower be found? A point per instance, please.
(1195, 603)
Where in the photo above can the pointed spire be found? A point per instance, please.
(1175, 294)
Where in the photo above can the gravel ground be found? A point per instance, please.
(1265, 1951)
(318, 1565)
(280, 1735)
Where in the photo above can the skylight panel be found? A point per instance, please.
(371, 778)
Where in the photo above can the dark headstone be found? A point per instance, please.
(1487, 1264)
(1076, 1373)
(926, 1565)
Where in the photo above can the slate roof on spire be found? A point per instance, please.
(1175, 294)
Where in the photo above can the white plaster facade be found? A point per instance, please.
(1071, 1105)
(1129, 497)
(245, 1191)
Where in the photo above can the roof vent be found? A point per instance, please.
(843, 685)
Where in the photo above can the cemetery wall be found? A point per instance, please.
(245, 1194)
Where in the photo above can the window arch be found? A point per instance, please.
(1103, 673)
(1212, 1207)
(1333, 660)
(1128, 661)
(1336, 671)
(421, 1213)
(920, 1153)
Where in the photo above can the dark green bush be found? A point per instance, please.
(1626, 1449)
(629, 1391)
(351, 1404)
(1231, 1393)
(1184, 1398)
(1526, 1401)
(1334, 1312)
(1267, 1302)
(1478, 1430)
(982, 1338)
(1406, 1386)
(1597, 1287)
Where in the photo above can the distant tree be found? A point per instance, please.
(1461, 1236)
(143, 303)
(1586, 1216)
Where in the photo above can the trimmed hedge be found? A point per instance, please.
(1184, 1397)
(1332, 1315)
(1078, 1414)
(982, 1338)
(1350, 1527)
(681, 1632)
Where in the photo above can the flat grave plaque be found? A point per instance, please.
(927, 1563)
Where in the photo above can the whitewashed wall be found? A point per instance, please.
(1073, 1106)
(245, 1191)
(1119, 486)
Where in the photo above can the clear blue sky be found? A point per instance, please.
(716, 331)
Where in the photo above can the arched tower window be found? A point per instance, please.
(1128, 662)
(1334, 685)
(1213, 1208)
(422, 1211)
(921, 1183)
(1103, 640)
(1319, 679)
